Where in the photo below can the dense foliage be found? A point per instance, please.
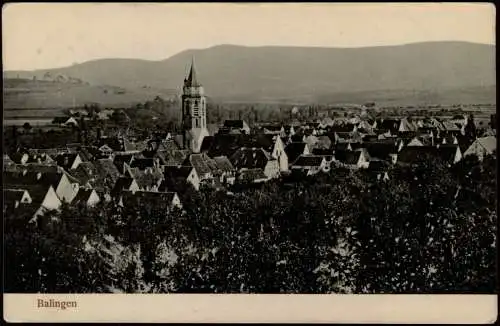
(430, 228)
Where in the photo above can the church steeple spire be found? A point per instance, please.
(192, 80)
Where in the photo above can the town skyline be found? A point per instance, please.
(173, 28)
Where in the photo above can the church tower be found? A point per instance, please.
(194, 115)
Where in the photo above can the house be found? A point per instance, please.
(63, 184)
(65, 121)
(383, 150)
(172, 157)
(246, 176)
(122, 161)
(279, 153)
(174, 176)
(225, 170)
(255, 158)
(100, 174)
(109, 145)
(15, 197)
(145, 163)
(239, 125)
(148, 180)
(379, 169)
(68, 161)
(311, 164)
(449, 154)
(43, 199)
(124, 183)
(223, 144)
(481, 147)
(87, 197)
(391, 125)
(407, 126)
(352, 159)
(149, 199)
(40, 157)
(274, 130)
(296, 149)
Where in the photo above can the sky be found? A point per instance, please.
(39, 36)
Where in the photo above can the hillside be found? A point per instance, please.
(271, 73)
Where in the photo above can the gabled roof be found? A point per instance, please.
(322, 151)
(168, 145)
(488, 143)
(417, 153)
(83, 196)
(32, 178)
(223, 164)
(388, 124)
(106, 168)
(120, 160)
(172, 158)
(146, 179)
(381, 149)
(294, 150)
(174, 172)
(142, 163)
(251, 175)
(201, 163)
(123, 183)
(65, 160)
(250, 158)
(309, 160)
(347, 157)
(37, 192)
(223, 144)
(235, 124)
(378, 166)
(10, 196)
(152, 198)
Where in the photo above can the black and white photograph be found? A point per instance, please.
(286, 148)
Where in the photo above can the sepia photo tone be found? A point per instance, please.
(249, 149)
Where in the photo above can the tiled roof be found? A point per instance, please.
(82, 196)
(123, 183)
(37, 192)
(172, 158)
(250, 158)
(251, 175)
(65, 160)
(347, 157)
(309, 160)
(233, 124)
(120, 160)
(294, 150)
(147, 197)
(10, 196)
(223, 164)
(417, 153)
(32, 178)
(381, 150)
(146, 179)
(488, 143)
(142, 163)
(201, 163)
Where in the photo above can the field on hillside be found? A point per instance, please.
(25, 93)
